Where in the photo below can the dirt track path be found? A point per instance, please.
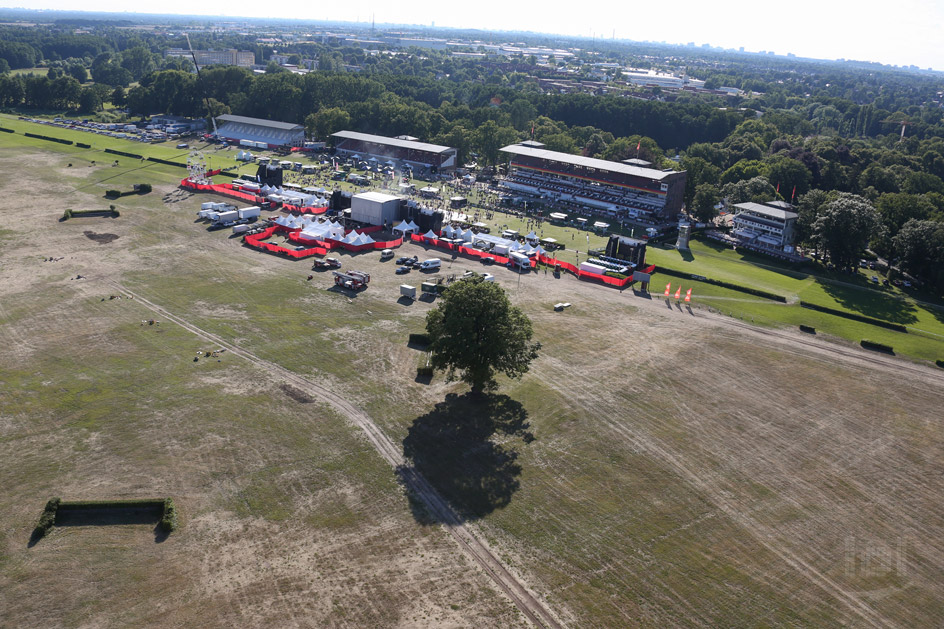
(463, 534)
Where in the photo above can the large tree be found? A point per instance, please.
(844, 228)
(920, 245)
(476, 332)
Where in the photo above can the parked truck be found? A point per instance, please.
(408, 291)
(249, 213)
(349, 281)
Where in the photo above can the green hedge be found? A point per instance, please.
(77, 213)
(419, 339)
(855, 317)
(47, 138)
(743, 289)
(878, 347)
(808, 329)
(124, 154)
(5, 130)
(164, 508)
(939, 363)
(158, 160)
(47, 519)
(113, 193)
(83, 146)
(424, 371)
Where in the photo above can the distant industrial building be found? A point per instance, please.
(232, 57)
(399, 151)
(631, 189)
(765, 226)
(238, 129)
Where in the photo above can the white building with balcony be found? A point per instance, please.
(765, 226)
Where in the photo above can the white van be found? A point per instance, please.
(432, 263)
(386, 254)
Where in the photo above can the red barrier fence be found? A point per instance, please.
(321, 247)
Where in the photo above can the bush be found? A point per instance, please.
(419, 339)
(113, 194)
(144, 188)
(67, 215)
(47, 519)
(855, 317)
(169, 517)
(83, 146)
(878, 347)
(808, 329)
(424, 372)
(939, 363)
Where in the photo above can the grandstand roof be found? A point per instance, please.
(766, 210)
(589, 162)
(379, 139)
(259, 122)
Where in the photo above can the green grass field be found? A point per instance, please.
(666, 470)
(922, 313)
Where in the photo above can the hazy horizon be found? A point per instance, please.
(907, 37)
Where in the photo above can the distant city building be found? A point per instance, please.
(238, 129)
(766, 226)
(231, 57)
(617, 188)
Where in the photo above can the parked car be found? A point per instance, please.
(487, 260)
(403, 269)
(402, 259)
(874, 279)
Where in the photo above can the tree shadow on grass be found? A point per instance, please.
(451, 449)
(870, 302)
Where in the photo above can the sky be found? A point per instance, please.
(906, 32)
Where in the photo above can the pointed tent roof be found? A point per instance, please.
(467, 235)
(430, 234)
(531, 235)
(414, 226)
(351, 237)
(402, 227)
(539, 249)
(448, 231)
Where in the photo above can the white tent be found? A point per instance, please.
(430, 234)
(448, 231)
(467, 235)
(413, 226)
(531, 236)
(351, 237)
(539, 249)
(364, 239)
(402, 227)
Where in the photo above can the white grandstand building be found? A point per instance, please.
(238, 129)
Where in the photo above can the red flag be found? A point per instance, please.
(688, 295)
(638, 144)
(794, 194)
(668, 288)
(778, 187)
(678, 293)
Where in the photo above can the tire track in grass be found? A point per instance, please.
(485, 557)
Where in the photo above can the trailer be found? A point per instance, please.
(230, 216)
(349, 280)
(408, 291)
(249, 213)
(240, 229)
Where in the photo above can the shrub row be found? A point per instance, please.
(808, 329)
(158, 160)
(123, 154)
(47, 138)
(77, 213)
(83, 146)
(878, 347)
(113, 193)
(855, 317)
(743, 289)
(47, 519)
(5, 130)
(424, 371)
(87, 505)
(419, 339)
(939, 363)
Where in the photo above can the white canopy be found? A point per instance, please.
(364, 239)
(531, 235)
(414, 226)
(539, 249)
(467, 235)
(448, 231)
(430, 234)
